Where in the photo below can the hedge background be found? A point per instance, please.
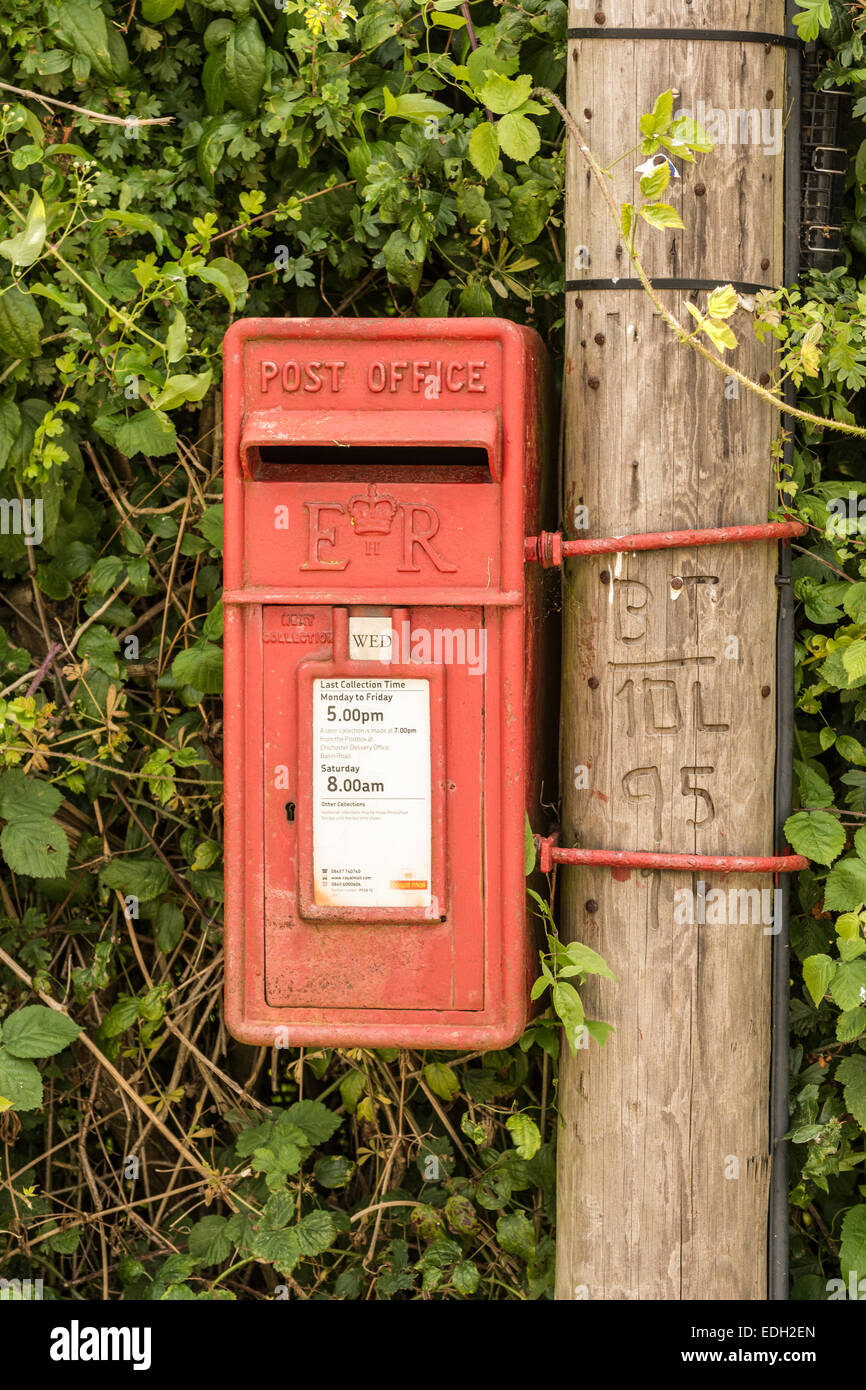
(307, 159)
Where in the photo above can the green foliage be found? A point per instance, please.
(34, 1031)
(560, 964)
(311, 158)
(819, 327)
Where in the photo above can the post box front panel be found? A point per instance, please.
(375, 805)
(327, 531)
(380, 478)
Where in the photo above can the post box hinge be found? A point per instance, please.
(549, 549)
(621, 861)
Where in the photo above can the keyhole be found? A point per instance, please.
(290, 811)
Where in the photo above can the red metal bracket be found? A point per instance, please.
(549, 853)
(549, 549)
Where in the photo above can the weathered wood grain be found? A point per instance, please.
(668, 688)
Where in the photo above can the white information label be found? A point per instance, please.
(371, 792)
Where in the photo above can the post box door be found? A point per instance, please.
(429, 954)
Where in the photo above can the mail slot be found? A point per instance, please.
(385, 648)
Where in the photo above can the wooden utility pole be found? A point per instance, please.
(669, 678)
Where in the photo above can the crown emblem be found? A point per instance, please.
(373, 514)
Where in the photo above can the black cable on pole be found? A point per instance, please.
(661, 282)
(777, 1225)
(701, 35)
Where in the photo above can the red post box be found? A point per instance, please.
(382, 645)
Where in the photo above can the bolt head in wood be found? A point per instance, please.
(765, 690)
(593, 383)
(593, 682)
(591, 905)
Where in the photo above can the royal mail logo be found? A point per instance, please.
(370, 517)
(373, 514)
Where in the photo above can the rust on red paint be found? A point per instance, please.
(620, 860)
(549, 549)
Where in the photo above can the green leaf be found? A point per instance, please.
(180, 389)
(518, 137)
(529, 855)
(484, 149)
(815, 790)
(466, 1278)
(598, 1031)
(722, 302)
(818, 971)
(845, 888)
(525, 1135)
(442, 1080)
(138, 878)
(20, 1083)
(848, 986)
(20, 323)
(210, 149)
(26, 247)
(35, 845)
(719, 334)
(516, 1236)
(659, 120)
(586, 960)
(502, 95)
(314, 1119)
(37, 1031)
(852, 1073)
(316, 1232)
(154, 11)
(851, 1024)
(139, 222)
(854, 602)
(568, 1008)
(200, 666)
(854, 660)
(147, 432)
(169, 927)
(852, 1252)
(818, 835)
(82, 26)
(211, 526)
(413, 107)
(334, 1171)
(851, 749)
(246, 65)
(209, 1242)
(434, 304)
(654, 184)
(660, 215)
(222, 271)
(20, 795)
